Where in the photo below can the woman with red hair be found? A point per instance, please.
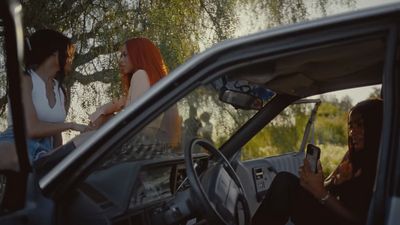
(141, 66)
(140, 58)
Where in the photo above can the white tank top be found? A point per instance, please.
(44, 112)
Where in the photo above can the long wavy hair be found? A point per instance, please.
(371, 111)
(41, 45)
(144, 55)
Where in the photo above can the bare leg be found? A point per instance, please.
(8, 157)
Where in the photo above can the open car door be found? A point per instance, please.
(21, 199)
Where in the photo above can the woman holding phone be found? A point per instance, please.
(344, 196)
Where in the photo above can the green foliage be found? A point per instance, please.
(331, 124)
(331, 156)
(180, 28)
(376, 93)
(285, 133)
(273, 13)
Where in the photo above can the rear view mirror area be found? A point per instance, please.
(241, 100)
(243, 94)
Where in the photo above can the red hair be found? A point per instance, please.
(144, 55)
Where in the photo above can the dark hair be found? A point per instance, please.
(41, 45)
(44, 43)
(371, 111)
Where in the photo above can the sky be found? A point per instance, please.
(369, 3)
(356, 94)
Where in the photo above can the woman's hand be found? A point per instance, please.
(345, 172)
(108, 109)
(312, 182)
(99, 112)
(119, 103)
(102, 119)
(78, 127)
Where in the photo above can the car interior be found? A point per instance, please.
(136, 177)
(153, 182)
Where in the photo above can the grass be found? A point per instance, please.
(331, 155)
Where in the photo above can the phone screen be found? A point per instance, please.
(312, 155)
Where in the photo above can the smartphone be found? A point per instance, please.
(312, 155)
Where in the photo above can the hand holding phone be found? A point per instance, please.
(312, 155)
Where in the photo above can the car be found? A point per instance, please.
(124, 175)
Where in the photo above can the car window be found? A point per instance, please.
(282, 135)
(200, 114)
(285, 132)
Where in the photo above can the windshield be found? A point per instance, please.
(202, 113)
(287, 132)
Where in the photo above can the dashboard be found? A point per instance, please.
(151, 185)
(127, 189)
(159, 182)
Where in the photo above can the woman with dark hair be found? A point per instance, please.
(345, 195)
(48, 57)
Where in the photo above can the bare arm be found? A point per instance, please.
(314, 183)
(36, 128)
(139, 84)
(107, 109)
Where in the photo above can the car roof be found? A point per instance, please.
(344, 51)
(347, 64)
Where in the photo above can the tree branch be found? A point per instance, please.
(105, 76)
(93, 53)
(215, 22)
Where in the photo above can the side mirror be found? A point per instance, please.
(241, 100)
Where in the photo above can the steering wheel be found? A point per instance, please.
(223, 187)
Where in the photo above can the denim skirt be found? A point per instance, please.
(37, 147)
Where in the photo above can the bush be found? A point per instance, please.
(331, 155)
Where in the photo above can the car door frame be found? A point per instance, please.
(23, 199)
(385, 203)
(13, 41)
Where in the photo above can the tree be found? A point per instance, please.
(331, 124)
(376, 93)
(346, 103)
(99, 28)
(179, 28)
